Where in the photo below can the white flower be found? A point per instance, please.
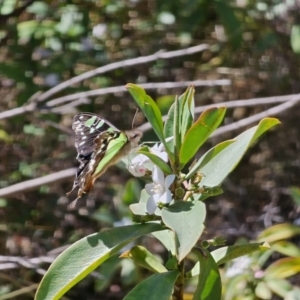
(160, 151)
(139, 165)
(158, 190)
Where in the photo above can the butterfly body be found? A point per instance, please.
(99, 145)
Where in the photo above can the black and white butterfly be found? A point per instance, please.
(99, 145)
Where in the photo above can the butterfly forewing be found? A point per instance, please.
(99, 145)
(87, 127)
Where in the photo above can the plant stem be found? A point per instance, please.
(178, 288)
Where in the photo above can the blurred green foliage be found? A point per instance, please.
(43, 43)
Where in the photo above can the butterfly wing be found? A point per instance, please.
(99, 145)
(87, 127)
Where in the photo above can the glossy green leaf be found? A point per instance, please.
(209, 285)
(167, 238)
(218, 168)
(284, 267)
(149, 108)
(145, 258)
(279, 232)
(226, 254)
(186, 220)
(187, 111)
(180, 118)
(157, 161)
(208, 156)
(169, 127)
(86, 255)
(176, 128)
(158, 286)
(208, 121)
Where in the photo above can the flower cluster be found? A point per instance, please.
(158, 190)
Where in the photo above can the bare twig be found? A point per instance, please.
(147, 86)
(19, 292)
(257, 117)
(37, 182)
(122, 64)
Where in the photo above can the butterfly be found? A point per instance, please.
(99, 145)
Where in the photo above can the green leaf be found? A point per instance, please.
(218, 168)
(262, 291)
(280, 287)
(286, 248)
(208, 156)
(146, 259)
(149, 108)
(157, 161)
(27, 28)
(279, 232)
(86, 255)
(169, 127)
(186, 220)
(167, 238)
(295, 38)
(180, 118)
(158, 286)
(132, 191)
(209, 285)
(176, 128)
(226, 254)
(233, 290)
(140, 207)
(38, 8)
(208, 121)
(187, 108)
(284, 268)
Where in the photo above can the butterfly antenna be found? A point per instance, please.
(133, 121)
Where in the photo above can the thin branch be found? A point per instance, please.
(122, 64)
(37, 182)
(19, 292)
(257, 117)
(147, 86)
(249, 102)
